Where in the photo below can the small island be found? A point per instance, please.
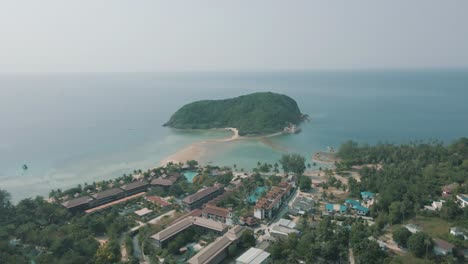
(252, 114)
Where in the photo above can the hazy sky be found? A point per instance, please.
(197, 35)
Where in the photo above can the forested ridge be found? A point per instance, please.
(257, 113)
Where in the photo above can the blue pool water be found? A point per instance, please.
(254, 196)
(189, 175)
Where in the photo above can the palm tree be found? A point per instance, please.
(235, 166)
(427, 244)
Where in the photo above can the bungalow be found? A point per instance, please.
(462, 200)
(447, 190)
(332, 208)
(367, 195)
(413, 228)
(361, 210)
(352, 203)
(456, 231)
(435, 206)
(442, 247)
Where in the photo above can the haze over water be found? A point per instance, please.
(71, 129)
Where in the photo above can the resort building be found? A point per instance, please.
(161, 238)
(462, 200)
(135, 187)
(218, 214)
(267, 206)
(201, 197)
(107, 196)
(217, 251)
(442, 247)
(254, 256)
(78, 204)
(162, 182)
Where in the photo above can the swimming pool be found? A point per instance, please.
(254, 196)
(189, 175)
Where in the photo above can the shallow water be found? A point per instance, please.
(72, 129)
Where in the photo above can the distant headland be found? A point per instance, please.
(252, 114)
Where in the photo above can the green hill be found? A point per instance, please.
(257, 113)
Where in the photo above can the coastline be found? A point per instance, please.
(197, 150)
(325, 158)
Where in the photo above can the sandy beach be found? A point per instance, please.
(197, 150)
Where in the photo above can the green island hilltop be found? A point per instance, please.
(252, 114)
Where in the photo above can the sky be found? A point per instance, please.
(53, 36)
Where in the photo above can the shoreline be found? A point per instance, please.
(325, 158)
(197, 150)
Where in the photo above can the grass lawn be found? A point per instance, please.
(411, 259)
(434, 226)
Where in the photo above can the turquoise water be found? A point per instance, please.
(189, 175)
(71, 129)
(254, 196)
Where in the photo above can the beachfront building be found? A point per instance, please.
(267, 206)
(107, 196)
(217, 251)
(135, 187)
(218, 214)
(166, 181)
(78, 204)
(161, 238)
(254, 256)
(442, 247)
(201, 197)
(462, 200)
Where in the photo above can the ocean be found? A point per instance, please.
(76, 128)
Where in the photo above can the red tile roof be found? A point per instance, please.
(157, 200)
